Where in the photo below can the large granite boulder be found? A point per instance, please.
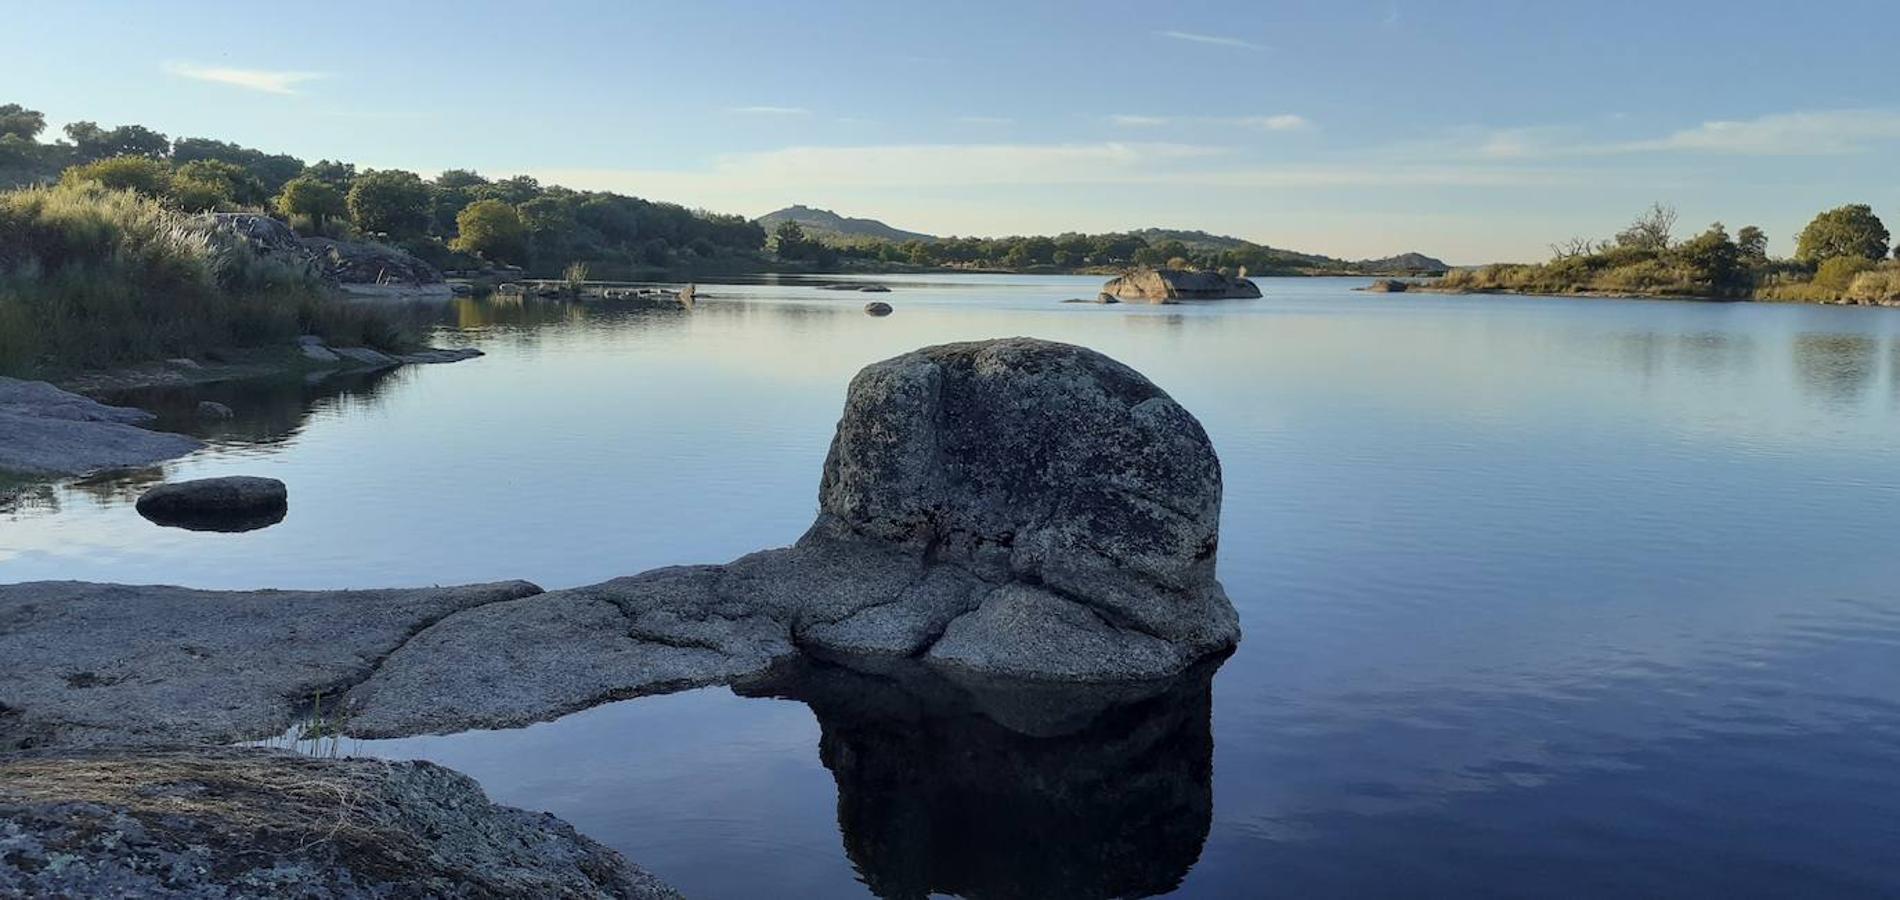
(1163, 285)
(212, 822)
(1081, 495)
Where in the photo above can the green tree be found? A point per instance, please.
(1752, 243)
(128, 173)
(314, 198)
(493, 230)
(335, 174)
(452, 190)
(20, 122)
(234, 182)
(271, 170)
(1712, 259)
(1851, 230)
(91, 142)
(390, 202)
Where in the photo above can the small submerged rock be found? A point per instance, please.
(877, 308)
(232, 503)
(212, 409)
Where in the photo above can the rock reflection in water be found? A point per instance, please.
(937, 797)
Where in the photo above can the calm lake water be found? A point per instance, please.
(1539, 596)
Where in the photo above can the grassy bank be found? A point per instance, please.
(94, 278)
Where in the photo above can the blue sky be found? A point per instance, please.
(1470, 130)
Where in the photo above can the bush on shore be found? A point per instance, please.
(93, 277)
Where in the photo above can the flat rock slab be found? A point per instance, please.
(104, 663)
(216, 822)
(48, 431)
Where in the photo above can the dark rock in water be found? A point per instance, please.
(48, 431)
(1099, 299)
(211, 822)
(877, 308)
(1387, 286)
(874, 289)
(939, 797)
(234, 503)
(212, 409)
(1159, 285)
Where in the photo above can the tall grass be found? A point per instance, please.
(91, 277)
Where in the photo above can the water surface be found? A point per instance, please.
(1539, 596)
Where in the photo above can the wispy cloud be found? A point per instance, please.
(270, 82)
(1134, 121)
(1813, 133)
(1198, 38)
(1281, 122)
(1807, 133)
(986, 120)
(769, 110)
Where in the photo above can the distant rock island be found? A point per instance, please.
(1169, 285)
(823, 223)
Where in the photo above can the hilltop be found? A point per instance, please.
(825, 224)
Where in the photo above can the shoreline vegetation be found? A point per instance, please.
(96, 278)
(1841, 257)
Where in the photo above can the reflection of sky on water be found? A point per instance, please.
(1536, 592)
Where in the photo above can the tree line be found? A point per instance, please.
(458, 219)
(1069, 250)
(1838, 258)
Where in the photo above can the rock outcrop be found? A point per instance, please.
(50, 432)
(231, 503)
(877, 308)
(1387, 286)
(215, 822)
(1163, 285)
(1007, 514)
(355, 266)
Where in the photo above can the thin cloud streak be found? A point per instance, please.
(266, 81)
(1217, 40)
(1281, 122)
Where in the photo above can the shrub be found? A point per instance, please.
(95, 277)
(493, 230)
(124, 173)
(1880, 286)
(1836, 274)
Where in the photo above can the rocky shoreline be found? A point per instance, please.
(1026, 526)
(54, 431)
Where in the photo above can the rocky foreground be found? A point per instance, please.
(231, 823)
(1029, 526)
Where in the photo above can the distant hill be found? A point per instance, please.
(823, 223)
(1403, 263)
